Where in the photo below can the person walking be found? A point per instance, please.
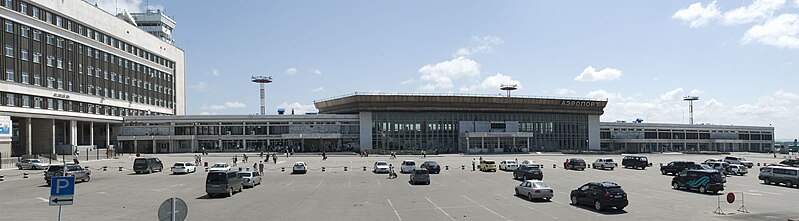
(261, 167)
(75, 157)
(424, 154)
(235, 160)
(245, 158)
(274, 158)
(324, 155)
(473, 163)
(254, 167)
(391, 173)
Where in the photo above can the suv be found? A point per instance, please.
(703, 180)
(678, 166)
(147, 164)
(776, 174)
(431, 167)
(420, 175)
(488, 165)
(601, 195)
(250, 178)
(790, 162)
(225, 182)
(637, 162)
(574, 164)
(526, 172)
(33, 164)
(84, 175)
(603, 163)
(738, 160)
(736, 169)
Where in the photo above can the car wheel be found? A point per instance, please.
(676, 185)
(601, 167)
(574, 200)
(230, 192)
(612, 168)
(515, 177)
(517, 192)
(767, 181)
(620, 208)
(87, 179)
(702, 189)
(663, 172)
(529, 196)
(149, 170)
(548, 199)
(20, 167)
(48, 183)
(789, 183)
(598, 205)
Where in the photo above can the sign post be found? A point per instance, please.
(62, 191)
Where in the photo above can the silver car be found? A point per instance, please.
(250, 178)
(33, 164)
(535, 189)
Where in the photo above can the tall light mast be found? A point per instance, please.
(261, 80)
(690, 100)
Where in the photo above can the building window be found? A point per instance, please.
(24, 54)
(37, 35)
(37, 79)
(37, 102)
(37, 57)
(60, 104)
(9, 27)
(26, 78)
(23, 8)
(9, 3)
(10, 99)
(50, 60)
(58, 21)
(49, 39)
(60, 63)
(23, 31)
(105, 75)
(35, 13)
(9, 51)
(50, 82)
(48, 17)
(49, 103)
(60, 43)
(60, 84)
(9, 75)
(26, 101)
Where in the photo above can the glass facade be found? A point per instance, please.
(440, 131)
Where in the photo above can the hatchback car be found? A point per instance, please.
(407, 166)
(183, 167)
(250, 178)
(488, 165)
(604, 163)
(420, 175)
(431, 167)
(535, 189)
(299, 167)
(703, 180)
(508, 165)
(790, 162)
(600, 194)
(33, 164)
(219, 167)
(574, 164)
(380, 167)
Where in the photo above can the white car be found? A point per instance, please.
(535, 189)
(736, 169)
(299, 167)
(531, 163)
(219, 167)
(250, 178)
(32, 164)
(738, 160)
(407, 166)
(603, 163)
(381, 167)
(508, 165)
(184, 167)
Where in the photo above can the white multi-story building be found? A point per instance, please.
(71, 72)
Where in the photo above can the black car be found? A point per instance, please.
(525, 172)
(431, 166)
(636, 162)
(790, 162)
(601, 195)
(574, 164)
(703, 180)
(676, 167)
(147, 164)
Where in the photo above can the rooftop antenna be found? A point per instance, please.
(261, 80)
(508, 88)
(690, 100)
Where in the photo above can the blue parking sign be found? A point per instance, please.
(62, 186)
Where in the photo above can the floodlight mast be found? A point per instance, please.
(508, 88)
(690, 100)
(261, 80)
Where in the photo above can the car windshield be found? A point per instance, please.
(299, 164)
(245, 175)
(410, 163)
(140, 161)
(382, 163)
(540, 185)
(55, 168)
(421, 172)
(217, 178)
(741, 159)
(218, 166)
(614, 189)
(179, 164)
(432, 164)
(36, 161)
(489, 162)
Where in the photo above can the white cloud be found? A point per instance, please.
(214, 72)
(565, 91)
(291, 71)
(225, 106)
(672, 95)
(796, 4)
(697, 15)
(483, 44)
(757, 11)
(607, 74)
(155, 7)
(319, 89)
(207, 113)
(409, 81)
(442, 74)
(782, 31)
(201, 87)
(491, 83)
(696, 92)
(316, 71)
(298, 108)
(603, 94)
(116, 6)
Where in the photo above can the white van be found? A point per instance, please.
(407, 166)
(777, 175)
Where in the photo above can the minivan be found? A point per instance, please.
(224, 183)
(147, 164)
(703, 180)
(776, 175)
(635, 162)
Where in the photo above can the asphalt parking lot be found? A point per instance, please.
(334, 194)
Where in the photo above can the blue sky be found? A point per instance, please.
(740, 57)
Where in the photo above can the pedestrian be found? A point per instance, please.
(235, 159)
(261, 167)
(274, 158)
(254, 167)
(261, 155)
(75, 157)
(473, 163)
(324, 155)
(391, 173)
(245, 158)
(267, 158)
(424, 154)
(481, 159)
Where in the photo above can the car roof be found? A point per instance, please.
(419, 168)
(408, 161)
(299, 162)
(381, 161)
(605, 184)
(705, 171)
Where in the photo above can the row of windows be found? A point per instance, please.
(683, 136)
(61, 22)
(28, 101)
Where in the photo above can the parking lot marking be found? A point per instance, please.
(481, 205)
(320, 182)
(42, 199)
(378, 182)
(349, 181)
(395, 210)
(758, 191)
(439, 208)
(292, 181)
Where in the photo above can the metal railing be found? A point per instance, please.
(455, 94)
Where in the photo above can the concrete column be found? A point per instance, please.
(244, 143)
(91, 133)
(107, 135)
(154, 147)
(73, 133)
(593, 132)
(366, 125)
(28, 135)
(52, 143)
(135, 146)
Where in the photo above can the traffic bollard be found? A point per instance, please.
(463, 167)
(240, 169)
(554, 165)
(364, 168)
(248, 169)
(206, 169)
(446, 167)
(105, 168)
(323, 169)
(588, 166)
(661, 164)
(650, 164)
(25, 175)
(758, 164)
(282, 169)
(2, 178)
(120, 168)
(345, 169)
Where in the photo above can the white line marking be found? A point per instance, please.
(349, 182)
(378, 182)
(758, 191)
(320, 182)
(292, 181)
(43, 199)
(439, 208)
(489, 210)
(754, 194)
(395, 210)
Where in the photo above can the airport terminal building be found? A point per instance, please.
(71, 72)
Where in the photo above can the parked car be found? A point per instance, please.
(488, 165)
(531, 163)
(574, 164)
(676, 167)
(777, 175)
(299, 167)
(703, 180)
(222, 182)
(739, 160)
(722, 167)
(147, 164)
(604, 163)
(535, 189)
(184, 167)
(250, 178)
(525, 172)
(736, 169)
(600, 194)
(381, 167)
(431, 167)
(33, 164)
(711, 160)
(790, 162)
(407, 166)
(637, 162)
(508, 165)
(420, 175)
(219, 167)
(80, 173)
